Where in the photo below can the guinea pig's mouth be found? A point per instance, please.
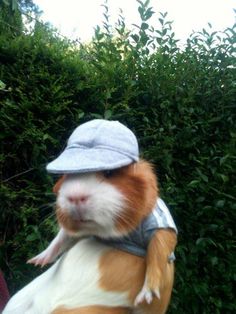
(77, 217)
(72, 217)
(82, 220)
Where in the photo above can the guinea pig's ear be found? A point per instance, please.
(58, 184)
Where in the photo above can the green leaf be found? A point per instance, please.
(220, 203)
(2, 85)
(193, 183)
(135, 38)
(32, 237)
(107, 114)
(214, 261)
(144, 26)
(14, 5)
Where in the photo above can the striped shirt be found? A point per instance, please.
(136, 242)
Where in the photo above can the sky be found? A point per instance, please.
(77, 19)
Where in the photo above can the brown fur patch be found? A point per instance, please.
(160, 247)
(160, 306)
(66, 221)
(122, 272)
(138, 183)
(58, 184)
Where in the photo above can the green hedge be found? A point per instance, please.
(180, 102)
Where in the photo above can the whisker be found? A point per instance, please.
(126, 219)
(51, 215)
(43, 193)
(48, 205)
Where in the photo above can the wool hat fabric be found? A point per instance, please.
(95, 146)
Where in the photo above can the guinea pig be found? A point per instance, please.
(117, 235)
(119, 214)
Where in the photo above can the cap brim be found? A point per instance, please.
(75, 160)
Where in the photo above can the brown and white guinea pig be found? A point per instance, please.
(93, 276)
(108, 204)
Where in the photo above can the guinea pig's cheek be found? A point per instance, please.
(62, 201)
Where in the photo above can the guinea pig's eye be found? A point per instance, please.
(108, 173)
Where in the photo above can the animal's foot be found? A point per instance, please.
(42, 259)
(146, 294)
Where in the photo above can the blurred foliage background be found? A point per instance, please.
(178, 99)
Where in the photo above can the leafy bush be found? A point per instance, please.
(180, 102)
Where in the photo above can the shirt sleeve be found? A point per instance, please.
(163, 216)
(158, 219)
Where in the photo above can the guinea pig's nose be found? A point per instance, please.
(76, 200)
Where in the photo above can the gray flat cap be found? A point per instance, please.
(97, 145)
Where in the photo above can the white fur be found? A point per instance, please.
(61, 243)
(103, 205)
(73, 281)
